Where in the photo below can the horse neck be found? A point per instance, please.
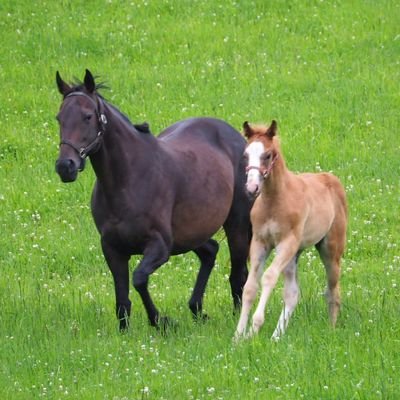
(275, 182)
(123, 149)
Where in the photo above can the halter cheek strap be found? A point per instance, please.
(83, 151)
(263, 171)
(102, 119)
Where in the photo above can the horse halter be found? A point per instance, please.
(83, 152)
(264, 172)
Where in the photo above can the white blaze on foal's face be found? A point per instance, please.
(254, 151)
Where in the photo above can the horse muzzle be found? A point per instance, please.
(253, 189)
(68, 170)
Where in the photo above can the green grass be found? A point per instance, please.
(328, 72)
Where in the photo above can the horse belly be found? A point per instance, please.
(318, 223)
(203, 208)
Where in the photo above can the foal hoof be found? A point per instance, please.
(165, 325)
(239, 337)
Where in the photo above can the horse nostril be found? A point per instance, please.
(67, 170)
(64, 165)
(252, 188)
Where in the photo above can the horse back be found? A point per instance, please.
(329, 184)
(327, 201)
(209, 132)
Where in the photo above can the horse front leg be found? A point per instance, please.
(118, 264)
(285, 251)
(156, 253)
(258, 254)
(290, 297)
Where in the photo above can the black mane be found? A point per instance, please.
(78, 86)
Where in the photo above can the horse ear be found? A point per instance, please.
(89, 82)
(63, 87)
(248, 132)
(272, 130)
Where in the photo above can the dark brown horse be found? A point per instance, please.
(156, 196)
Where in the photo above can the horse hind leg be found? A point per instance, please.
(238, 232)
(290, 297)
(207, 254)
(331, 249)
(238, 243)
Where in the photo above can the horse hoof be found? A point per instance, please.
(165, 324)
(238, 338)
(123, 330)
(202, 317)
(123, 325)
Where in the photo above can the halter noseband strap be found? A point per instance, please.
(263, 171)
(102, 119)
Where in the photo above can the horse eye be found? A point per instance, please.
(88, 117)
(266, 156)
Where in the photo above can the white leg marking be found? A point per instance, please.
(258, 254)
(290, 297)
(285, 252)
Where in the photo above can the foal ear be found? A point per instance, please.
(63, 87)
(248, 132)
(89, 82)
(272, 130)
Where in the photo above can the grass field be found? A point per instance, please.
(328, 72)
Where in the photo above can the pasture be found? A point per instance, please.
(328, 72)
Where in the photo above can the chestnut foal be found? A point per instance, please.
(291, 212)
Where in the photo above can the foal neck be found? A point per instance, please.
(276, 179)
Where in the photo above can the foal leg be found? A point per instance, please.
(258, 255)
(118, 265)
(290, 297)
(331, 250)
(207, 254)
(155, 254)
(285, 252)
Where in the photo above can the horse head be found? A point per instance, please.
(261, 154)
(82, 124)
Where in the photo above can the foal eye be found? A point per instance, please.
(266, 156)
